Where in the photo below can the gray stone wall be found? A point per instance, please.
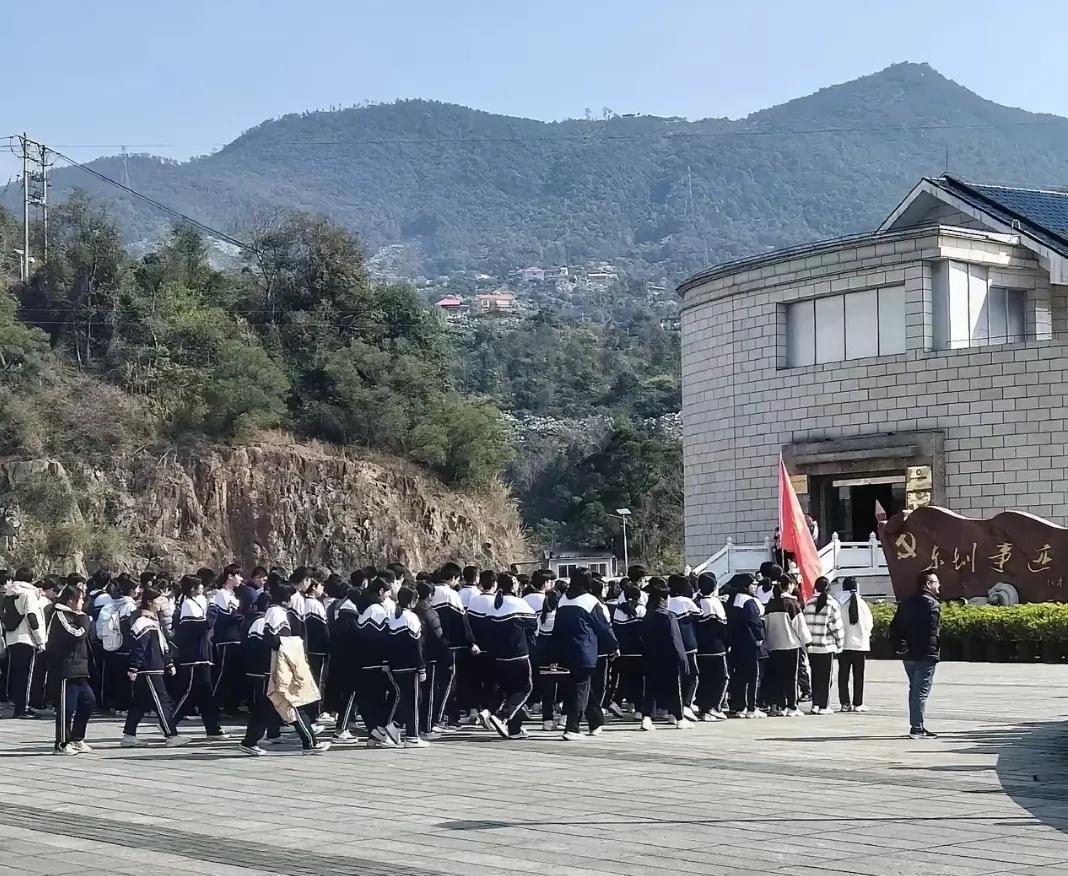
(1002, 409)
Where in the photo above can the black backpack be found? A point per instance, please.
(9, 614)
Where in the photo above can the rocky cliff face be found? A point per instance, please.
(286, 504)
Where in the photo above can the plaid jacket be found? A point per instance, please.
(825, 626)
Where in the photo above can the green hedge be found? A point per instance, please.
(988, 632)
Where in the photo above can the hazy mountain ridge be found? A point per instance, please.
(476, 189)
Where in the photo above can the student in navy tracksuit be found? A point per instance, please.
(379, 695)
(513, 627)
(224, 615)
(550, 675)
(481, 681)
(580, 632)
(316, 639)
(599, 681)
(745, 626)
(270, 630)
(192, 641)
(627, 626)
(406, 664)
(438, 656)
(67, 654)
(346, 659)
(681, 604)
(149, 660)
(445, 600)
(337, 590)
(712, 643)
(664, 658)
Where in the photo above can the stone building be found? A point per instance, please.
(925, 361)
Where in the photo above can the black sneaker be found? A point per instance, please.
(927, 734)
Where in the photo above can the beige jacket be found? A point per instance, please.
(291, 684)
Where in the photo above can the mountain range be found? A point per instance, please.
(659, 196)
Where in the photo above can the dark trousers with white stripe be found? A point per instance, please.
(583, 697)
(150, 695)
(194, 692)
(515, 682)
(228, 677)
(407, 681)
(263, 716)
(689, 682)
(116, 686)
(74, 701)
(434, 693)
(712, 684)
(379, 697)
(21, 661)
(317, 665)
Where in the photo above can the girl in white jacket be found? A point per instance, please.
(856, 642)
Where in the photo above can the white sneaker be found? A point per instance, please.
(708, 717)
(596, 731)
(615, 710)
(498, 725)
(861, 709)
(689, 714)
(67, 749)
(345, 737)
(327, 718)
(442, 728)
(132, 742)
(718, 715)
(382, 737)
(574, 737)
(816, 710)
(416, 742)
(519, 734)
(432, 736)
(251, 750)
(318, 748)
(793, 713)
(222, 734)
(647, 723)
(684, 724)
(81, 747)
(393, 733)
(177, 741)
(756, 713)
(317, 728)
(846, 709)
(549, 725)
(484, 719)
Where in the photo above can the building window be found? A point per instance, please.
(600, 568)
(564, 570)
(970, 312)
(850, 326)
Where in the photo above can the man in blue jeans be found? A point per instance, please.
(915, 632)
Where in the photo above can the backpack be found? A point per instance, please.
(9, 614)
(109, 627)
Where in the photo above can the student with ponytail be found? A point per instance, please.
(857, 625)
(405, 663)
(67, 654)
(785, 634)
(664, 659)
(824, 620)
(681, 604)
(192, 639)
(745, 626)
(513, 627)
(550, 676)
(627, 626)
(712, 643)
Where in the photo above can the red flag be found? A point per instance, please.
(795, 535)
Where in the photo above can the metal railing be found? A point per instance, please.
(839, 559)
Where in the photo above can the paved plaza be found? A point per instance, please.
(814, 795)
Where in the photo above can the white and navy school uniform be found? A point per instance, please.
(224, 615)
(628, 678)
(687, 613)
(94, 602)
(192, 646)
(379, 695)
(452, 616)
(582, 631)
(262, 640)
(67, 653)
(405, 660)
(480, 679)
(151, 659)
(346, 660)
(550, 676)
(713, 638)
(513, 627)
(317, 641)
(115, 687)
(600, 686)
(535, 599)
(665, 662)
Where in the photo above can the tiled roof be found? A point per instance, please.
(1040, 214)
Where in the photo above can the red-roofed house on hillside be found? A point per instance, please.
(453, 306)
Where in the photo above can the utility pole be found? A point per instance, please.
(25, 273)
(41, 198)
(125, 168)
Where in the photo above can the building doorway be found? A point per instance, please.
(847, 504)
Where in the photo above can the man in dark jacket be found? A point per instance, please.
(914, 632)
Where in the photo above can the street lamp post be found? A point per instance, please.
(623, 514)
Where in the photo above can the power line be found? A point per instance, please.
(214, 232)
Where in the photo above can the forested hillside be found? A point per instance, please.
(475, 190)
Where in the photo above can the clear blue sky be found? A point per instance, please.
(195, 73)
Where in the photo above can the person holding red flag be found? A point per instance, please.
(795, 535)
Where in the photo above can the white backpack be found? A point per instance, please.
(109, 626)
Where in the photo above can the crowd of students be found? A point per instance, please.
(407, 658)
